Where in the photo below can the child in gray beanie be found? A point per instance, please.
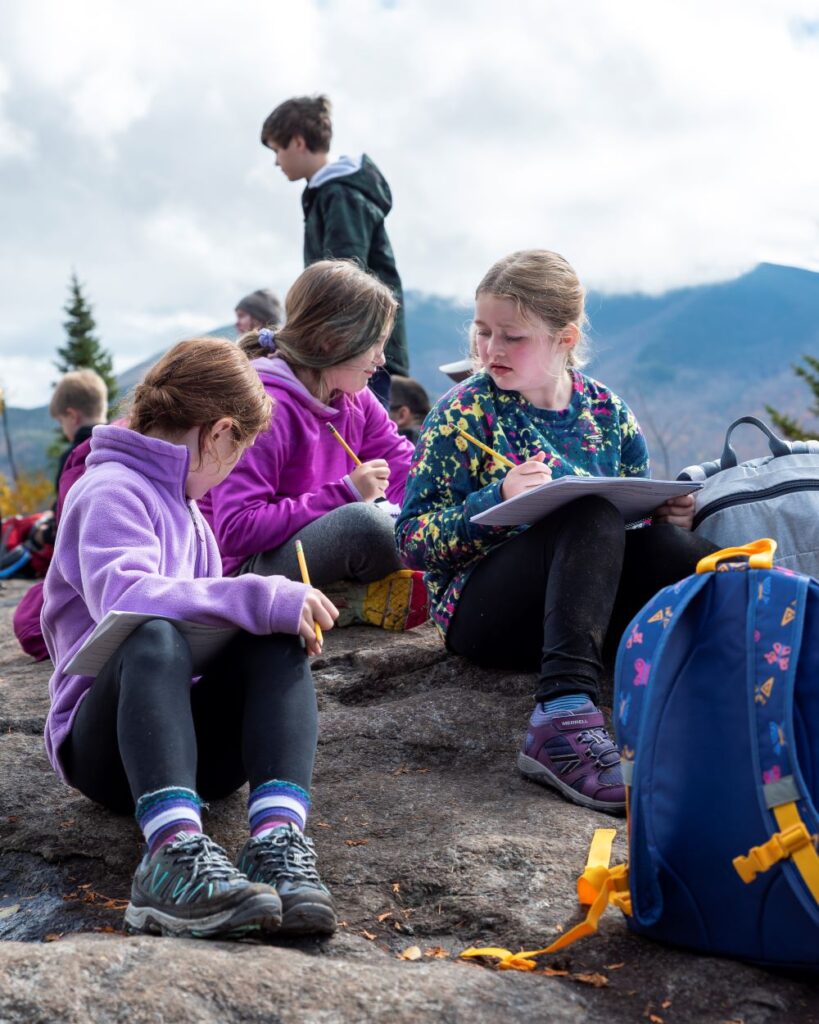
(259, 309)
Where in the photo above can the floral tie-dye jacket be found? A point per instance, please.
(452, 480)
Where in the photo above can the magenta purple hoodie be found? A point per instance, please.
(295, 472)
(129, 540)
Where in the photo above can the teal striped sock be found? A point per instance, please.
(566, 702)
(277, 803)
(163, 814)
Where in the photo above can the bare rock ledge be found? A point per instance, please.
(427, 837)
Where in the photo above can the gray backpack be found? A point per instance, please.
(775, 496)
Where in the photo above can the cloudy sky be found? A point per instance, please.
(654, 143)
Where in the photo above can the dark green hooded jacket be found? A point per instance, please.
(344, 219)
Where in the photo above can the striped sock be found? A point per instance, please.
(558, 706)
(166, 812)
(276, 803)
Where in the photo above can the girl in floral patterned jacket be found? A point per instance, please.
(542, 597)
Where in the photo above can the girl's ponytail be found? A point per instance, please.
(197, 383)
(335, 311)
(258, 343)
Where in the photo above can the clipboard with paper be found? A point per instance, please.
(205, 641)
(635, 497)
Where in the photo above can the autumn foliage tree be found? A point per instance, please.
(29, 492)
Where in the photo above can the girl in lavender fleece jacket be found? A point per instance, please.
(298, 482)
(143, 735)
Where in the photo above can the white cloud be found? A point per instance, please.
(654, 143)
(15, 141)
(26, 380)
(145, 334)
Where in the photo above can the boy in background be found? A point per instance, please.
(409, 405)
(79, 403)
(345, 203)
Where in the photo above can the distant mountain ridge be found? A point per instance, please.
(692, 360)
(687, 361)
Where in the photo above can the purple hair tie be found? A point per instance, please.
(267, 339)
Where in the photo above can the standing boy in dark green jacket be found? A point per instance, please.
(344, 203)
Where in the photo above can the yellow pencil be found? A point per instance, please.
(489, 451)
(344, 444)
(350, 452)
(305, 578)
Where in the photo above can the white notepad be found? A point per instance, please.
(205, 641)
(635, 497)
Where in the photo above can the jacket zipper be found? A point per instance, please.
(751, 497)
(200, 545)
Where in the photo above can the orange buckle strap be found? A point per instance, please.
(598, 886)
(598, 875)
(779, 847)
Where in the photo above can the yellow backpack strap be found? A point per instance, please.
(595, 873)
(793, 842)
(804, 856)
(598, 886)
(777, 618)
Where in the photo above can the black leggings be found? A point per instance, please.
(555, 598)
(143, 726)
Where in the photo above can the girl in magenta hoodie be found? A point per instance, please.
(298, 482)
(144, 735)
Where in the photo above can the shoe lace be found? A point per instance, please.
(289, 853)
(207, 860)
(600, 747)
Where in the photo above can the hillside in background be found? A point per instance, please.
(692, 360)
(687, 361)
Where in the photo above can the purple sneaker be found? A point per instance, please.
(573, 753)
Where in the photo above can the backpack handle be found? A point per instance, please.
(778, 445)
(759, 555)
(728, 459)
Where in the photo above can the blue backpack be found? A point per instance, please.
(717, 718)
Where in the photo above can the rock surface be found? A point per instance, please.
(426, 835)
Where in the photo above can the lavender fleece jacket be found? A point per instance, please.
(295, 472)
(129, 540)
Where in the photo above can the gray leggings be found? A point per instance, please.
(353, 542)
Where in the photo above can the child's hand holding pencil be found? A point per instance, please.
(369, 478)
(521, 476)
(317, 611)
(525, 476)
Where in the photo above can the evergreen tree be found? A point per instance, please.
(789, 426)
(82, 349)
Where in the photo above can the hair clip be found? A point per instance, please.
(267, 339)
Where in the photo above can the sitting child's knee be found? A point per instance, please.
(596, 507)
(368, 514)
(369, 524)
(592, 515)
(157, 640)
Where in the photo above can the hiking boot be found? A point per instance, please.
(189, 887)
(397, 602)
(573, 753)
(284, 858)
